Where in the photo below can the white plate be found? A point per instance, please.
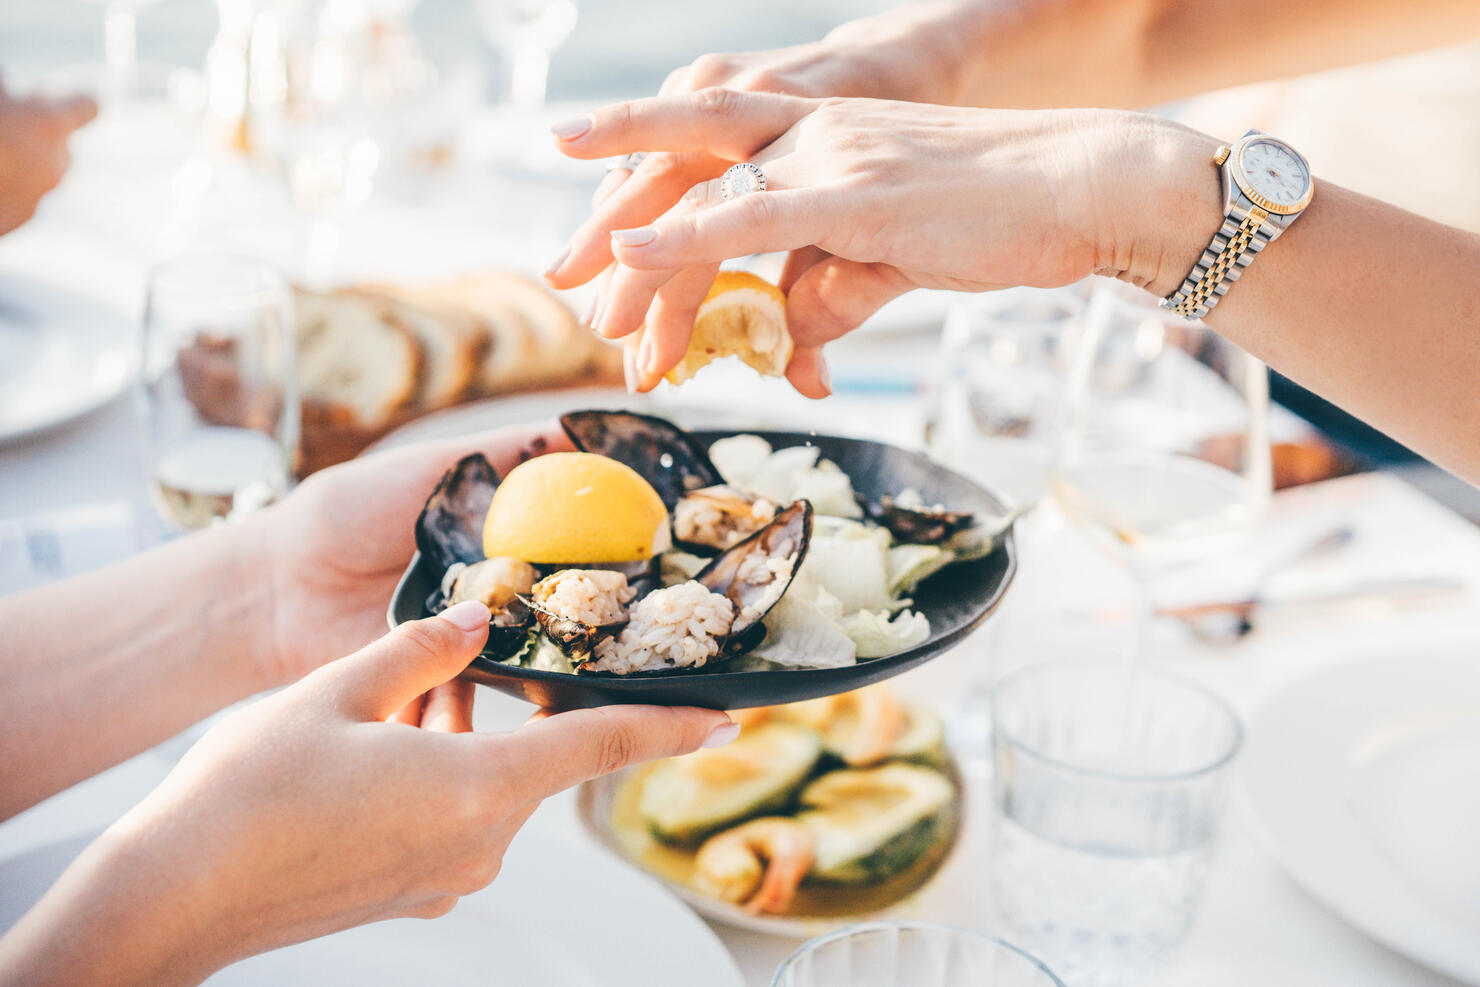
(61, 355)
(560, 913)
(1364, 781)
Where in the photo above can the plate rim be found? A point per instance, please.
(1310, 873)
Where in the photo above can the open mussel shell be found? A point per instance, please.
(573, 637)
(728, 512)
(916, 525)
(732, 573)
(508, 631)
(663, 454)
(450, 528)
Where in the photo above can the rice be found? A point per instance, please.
(763, 580)
(720, 517)
(592, 596)
(680, 626)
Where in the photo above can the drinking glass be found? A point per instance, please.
(120, 45)
(527, 32)
(905, 954)
(998, 418)
(1165, 459)
(1107, 793)
(217, 392)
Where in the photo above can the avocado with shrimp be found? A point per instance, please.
(868, 825)
(685, 799)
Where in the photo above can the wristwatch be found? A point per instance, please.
(1266, 185)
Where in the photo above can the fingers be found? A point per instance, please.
(799, 262)
(384, 676)
(807, 372)
(670, 323)
(542, 758)
(449, 707)
(410, 714)
(723, 122)
(834, 296)
(758, 223)
(74, 111)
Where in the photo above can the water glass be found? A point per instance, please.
(1005, 359)
(1107, 793)
(907, 954)
(218, 389)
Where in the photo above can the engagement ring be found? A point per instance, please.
(742, 179)
(628, 161)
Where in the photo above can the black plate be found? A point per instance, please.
(955, 600)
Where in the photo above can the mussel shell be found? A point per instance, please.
(663, 454)
(917, 525)
(723, 495)
(450, 528)
(508, 631)
(573, 637)
(791, 527)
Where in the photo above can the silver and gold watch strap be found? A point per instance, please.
(1232, 250)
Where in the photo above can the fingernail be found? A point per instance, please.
(640, 237)
(569, 130)
(824, 375)
(722, 734)
(645, 354)
(467, 616)
(558, 262)
(629, 369)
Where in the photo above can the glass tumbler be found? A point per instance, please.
(1107, 793)
(907, 954)
(218, 389)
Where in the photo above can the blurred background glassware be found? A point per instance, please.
(526, 33)
(1165, 459)
(998, 417)
(120, 46)
(218, 388)
(1107, 795)
(906, 954)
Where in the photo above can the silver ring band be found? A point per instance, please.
(627, 162)
(742, 179)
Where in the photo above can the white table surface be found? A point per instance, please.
(1257, 927)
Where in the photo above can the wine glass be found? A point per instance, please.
(1166, 455)
(218, 391)
(527, 32)
(120, 45)
(998, 417)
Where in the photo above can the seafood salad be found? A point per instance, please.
(646, 553)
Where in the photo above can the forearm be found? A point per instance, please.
(1374, 308)
(1136, 53)
(100, 668)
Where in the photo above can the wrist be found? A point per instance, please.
(1165, 206)
(249, 554)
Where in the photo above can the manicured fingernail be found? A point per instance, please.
(629, 369)
(645, 354)
(558, 262)
(468, 616)
(722, 734)
(640, 237)
(569, 130)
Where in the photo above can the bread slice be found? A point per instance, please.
(508, 338)
(453, 346)
(356, 368)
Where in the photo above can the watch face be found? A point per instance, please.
(1275, 172)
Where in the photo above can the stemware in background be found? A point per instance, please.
(998, 418)
(1107, 795)
(217, 388)
(526, 33)
(120, 46)
(903, 954)
(1166, 459)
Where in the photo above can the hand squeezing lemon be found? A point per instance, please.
(743, 315)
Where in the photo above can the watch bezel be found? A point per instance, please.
(1236, 163)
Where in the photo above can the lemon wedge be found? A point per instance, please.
(743, 315)
(575, 507)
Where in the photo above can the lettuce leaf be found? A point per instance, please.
(875, 635)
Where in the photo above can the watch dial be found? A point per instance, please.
(1275, 172)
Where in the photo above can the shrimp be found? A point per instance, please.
(865, 722)
(760, 863)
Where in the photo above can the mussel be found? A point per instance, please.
(576, 608)
(755, 573)
(916, 525)
(716, 518)
(666, 456)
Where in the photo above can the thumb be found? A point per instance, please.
(834, 296)
(563, 750)
(382, 677)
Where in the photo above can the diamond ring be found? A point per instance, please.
(742, 179)
(628, 162)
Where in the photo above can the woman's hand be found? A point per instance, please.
(308, 812)
(33, 150)
(335, 548)
(875, 198)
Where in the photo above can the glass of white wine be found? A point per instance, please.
(1165, 459)
(217, 390)
(527, 32)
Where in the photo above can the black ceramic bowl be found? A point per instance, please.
(955, 600)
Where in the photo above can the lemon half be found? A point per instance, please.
(575, 507)
(743, 315)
